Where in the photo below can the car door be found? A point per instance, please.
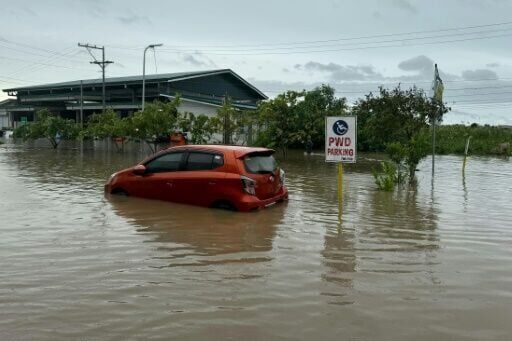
(159, 181)
(201, 180)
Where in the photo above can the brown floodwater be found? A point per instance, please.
(425, 264)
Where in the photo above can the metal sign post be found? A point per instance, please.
(341, 147)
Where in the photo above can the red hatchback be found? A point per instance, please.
(231, 177)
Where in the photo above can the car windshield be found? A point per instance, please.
(260, 164)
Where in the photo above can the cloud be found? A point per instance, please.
(339, 72)
(376, 15)
(420, 63)
(471, 75)
(30, 12)
(197, 59)
(405, 5)
(95, 8)
(421, 68)
(493, 64)
(132, 19)
(192, 60)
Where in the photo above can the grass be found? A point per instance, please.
(485, 140)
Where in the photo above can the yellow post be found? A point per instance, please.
(340, 190)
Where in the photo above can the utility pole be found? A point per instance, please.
(102, 64)
(82, 104)
(225, 123)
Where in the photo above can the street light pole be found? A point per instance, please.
(152, 46)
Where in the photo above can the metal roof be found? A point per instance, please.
(170, 77)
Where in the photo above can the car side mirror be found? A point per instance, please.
(139, 170)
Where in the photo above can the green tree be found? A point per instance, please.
(397, 116)
(316, 105)
(278, 119)
(52, 127)
(200, 127)
(108, 125)
(230, 121)
(159, 119)
(295, 117)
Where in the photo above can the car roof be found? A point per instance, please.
(239, 151)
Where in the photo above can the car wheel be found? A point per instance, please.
(223, 205)
(119, 191)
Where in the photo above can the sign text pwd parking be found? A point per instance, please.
(341, 139)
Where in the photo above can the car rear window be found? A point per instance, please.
(260, 164)
(203, 161)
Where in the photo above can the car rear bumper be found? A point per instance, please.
(251, 203)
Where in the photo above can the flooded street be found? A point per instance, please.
(435, 263)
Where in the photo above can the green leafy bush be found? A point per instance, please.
(386, 176)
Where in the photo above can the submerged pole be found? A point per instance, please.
(340, 190)
(465, 155)
(433, 144)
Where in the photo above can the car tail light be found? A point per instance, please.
(282, 176)
(248, 185)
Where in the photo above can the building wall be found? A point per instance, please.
(201, 109)
(210, 111)
(197, 108)
(4, 119)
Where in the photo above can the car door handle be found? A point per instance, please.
(212, 183)
(170, 184)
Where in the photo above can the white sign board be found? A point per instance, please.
(341, 139)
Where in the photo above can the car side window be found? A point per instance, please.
(166, 163)
(203, 161)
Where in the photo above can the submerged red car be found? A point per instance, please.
(230, 177)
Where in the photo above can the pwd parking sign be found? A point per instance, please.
(341, 139)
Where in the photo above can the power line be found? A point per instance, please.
(52, 53)
(206, 53)
(45, 64)
(42, 64)
(336, 39)
(348, 45)
(477, 101)
(481, 94)
(102, 64)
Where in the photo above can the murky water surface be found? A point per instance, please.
(435, 263)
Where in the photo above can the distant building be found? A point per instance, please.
(5, 121)
(201, 93)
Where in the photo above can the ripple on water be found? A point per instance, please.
(429, 263)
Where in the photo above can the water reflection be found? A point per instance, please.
(82, 265)
(340, 261)
(210, 232)
(400, 221)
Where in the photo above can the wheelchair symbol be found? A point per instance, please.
(340, 127)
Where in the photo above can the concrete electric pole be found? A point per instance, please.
(102, 64)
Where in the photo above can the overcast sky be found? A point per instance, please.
(277, 45)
